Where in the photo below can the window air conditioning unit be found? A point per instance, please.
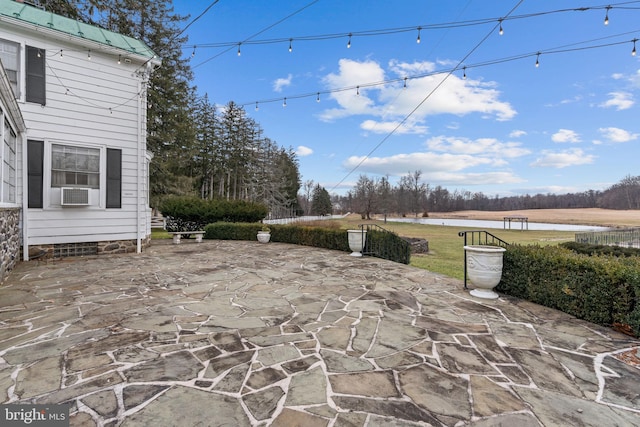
(74, 196)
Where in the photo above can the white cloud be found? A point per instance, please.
(563, 159)
(565, 135)
(617, 135)
(479, 147)
(303, 151)
(281, 83)
(517, 134)
(619, 100)
(386, 127)
(445, 169)
(392, 101)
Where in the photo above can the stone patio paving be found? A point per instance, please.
(246, 334)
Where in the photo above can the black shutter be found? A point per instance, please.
(35, 156)
(36, 82)
(114, 178)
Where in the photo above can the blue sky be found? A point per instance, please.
(568, 125)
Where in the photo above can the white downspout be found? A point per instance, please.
(140, 160)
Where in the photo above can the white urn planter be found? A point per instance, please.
(484, 269)
(264, 236)
(357, 238)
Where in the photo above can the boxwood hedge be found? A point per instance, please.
(602, 289)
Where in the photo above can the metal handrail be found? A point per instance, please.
(376, 248)
(479, 237)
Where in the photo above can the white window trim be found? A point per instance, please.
(3, 117)
(47, 201)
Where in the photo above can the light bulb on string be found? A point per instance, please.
(89, 54)
(256, 105)
(239, 53)
(194, 51)
(633, 52)
(405, 83)
(290, 46)
(606, 16)
(284, 102)
(358, 90)
(318, 97)
(464, 73)
(119, 59)
(418, 39)
(501, 31)
(39, 54)
(538, 60)
(60, 53)
(349, 42)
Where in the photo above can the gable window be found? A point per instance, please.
(75, 166)
(8, 171)
(10, 57)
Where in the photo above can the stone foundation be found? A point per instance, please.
(64, 250)
(10, 240)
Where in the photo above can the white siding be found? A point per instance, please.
(94, 103)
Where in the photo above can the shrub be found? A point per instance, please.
(589, 249)
(601, 289)
(191, 213)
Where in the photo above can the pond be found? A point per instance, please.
(477, 223)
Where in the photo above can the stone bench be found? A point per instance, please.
(177, 235)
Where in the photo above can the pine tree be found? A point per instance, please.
(321, 201)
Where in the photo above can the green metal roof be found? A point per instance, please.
(32, 15)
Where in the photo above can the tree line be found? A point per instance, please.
(413, 196)
(198, 148)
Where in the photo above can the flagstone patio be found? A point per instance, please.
(247, 334)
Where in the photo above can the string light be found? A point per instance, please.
(405, 83)
(194, 51)
(349, 42)
(60, 53)
(119, 59)
(89, 54)
(256, 105)
(501, 31)
(558, 50)
(39, 54)
(239, 53)
(110, 110)
(290, 46)
(284, 103)
(633, 52)
(418, 39)
(606, 16)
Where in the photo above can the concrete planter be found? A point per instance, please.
(264, 236)
(484, 269)
(357, 238)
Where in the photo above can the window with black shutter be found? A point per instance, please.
(114, 178)
(35, 156)
(35, 76)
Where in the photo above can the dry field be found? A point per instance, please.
(591, 216)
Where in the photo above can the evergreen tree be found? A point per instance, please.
(321, 201)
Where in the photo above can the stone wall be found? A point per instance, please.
(9, 240)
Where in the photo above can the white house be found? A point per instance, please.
(74, 159)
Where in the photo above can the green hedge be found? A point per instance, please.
(327, 238)
(589, 249)
(192, 213)
(601, 289)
